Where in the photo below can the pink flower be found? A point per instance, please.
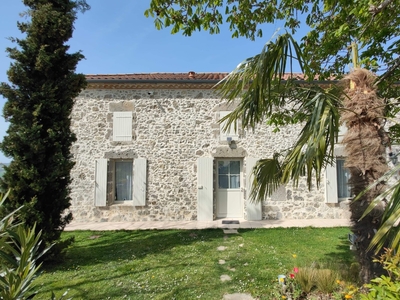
(291, 275)
(296, 269)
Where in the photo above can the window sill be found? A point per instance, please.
(123, 203)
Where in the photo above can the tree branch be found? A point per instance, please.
(396, 64)
(377, 9)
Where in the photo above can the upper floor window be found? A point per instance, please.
(231, 132)
(122, 126)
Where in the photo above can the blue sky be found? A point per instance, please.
(116, 37)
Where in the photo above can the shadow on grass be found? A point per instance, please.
(128, 259)
(107, 249)
(93, 247)
(343, 252)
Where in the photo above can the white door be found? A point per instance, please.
(229, 189)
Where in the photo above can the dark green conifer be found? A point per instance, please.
(39, 103)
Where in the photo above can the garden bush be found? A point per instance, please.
(386, 286)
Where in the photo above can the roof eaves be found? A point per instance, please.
(153, 81)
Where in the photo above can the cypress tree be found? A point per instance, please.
(40, 97)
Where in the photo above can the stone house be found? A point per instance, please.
(150, 147)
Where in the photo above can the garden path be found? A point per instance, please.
(231, 227)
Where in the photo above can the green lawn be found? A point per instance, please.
(179, 264)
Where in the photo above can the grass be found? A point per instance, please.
(178, 264)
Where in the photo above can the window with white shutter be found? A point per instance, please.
(231, 131)
(100, 196)
(336, 182)
(140, 181)
(122, 126)
(128, 182)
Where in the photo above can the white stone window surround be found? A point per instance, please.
(231, 134)
(105, 182)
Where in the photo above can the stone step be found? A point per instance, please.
(230, 231)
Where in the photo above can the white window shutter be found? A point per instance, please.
(342, 132)
(122, 126)
(331, 186)
(101, 182)
(254, 209)
(139, 181)
(205, 189)
(231, 132)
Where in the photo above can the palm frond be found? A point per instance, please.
(384, 178)
(265, 95)
(314, 148)
(267, 178)
(388, 234)
(259, 81)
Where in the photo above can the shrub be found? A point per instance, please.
(19, 253)
(386, 286)
(305, 277)
(325, 280)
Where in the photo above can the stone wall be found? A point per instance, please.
(171, 129)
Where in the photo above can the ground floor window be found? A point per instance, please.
(337, 181)
(123, 180)
(120, 180)
(343, 176)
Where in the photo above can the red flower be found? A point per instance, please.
(296, 270)
(291, 275)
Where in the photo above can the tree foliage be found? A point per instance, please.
(325, 52)
(39, 103)
(333, 26)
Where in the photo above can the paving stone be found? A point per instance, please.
(221, 262)
(230, 231)
(225, 277)
(241, 245)
(238, 296)
(221, 248)
(232, 269)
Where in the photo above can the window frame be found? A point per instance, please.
(331, 183)
(231, 132)
(104, 182)
(229, 174)
(341, 158)
(114, 181)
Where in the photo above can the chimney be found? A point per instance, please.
(192, 74)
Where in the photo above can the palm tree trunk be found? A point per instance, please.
(365, 147)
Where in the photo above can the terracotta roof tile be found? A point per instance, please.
(190, 80)
(159, 76)
(172, 76)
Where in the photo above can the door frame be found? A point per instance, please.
(241, 180)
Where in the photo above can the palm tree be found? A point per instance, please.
(365, 142)
(318, 105)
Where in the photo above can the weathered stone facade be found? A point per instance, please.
(172, 128)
